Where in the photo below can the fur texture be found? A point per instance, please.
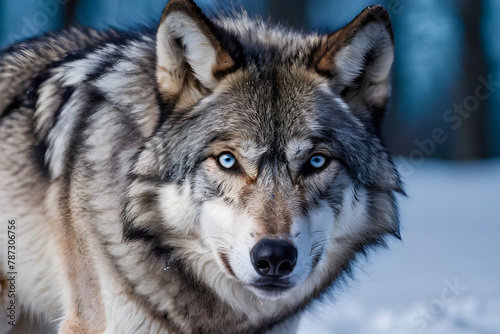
(114, 163)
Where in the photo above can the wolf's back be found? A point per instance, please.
(21, 63)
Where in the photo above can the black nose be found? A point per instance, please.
(274, 258)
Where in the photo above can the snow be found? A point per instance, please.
(444, 277)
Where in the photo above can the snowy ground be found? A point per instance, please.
(444, 278)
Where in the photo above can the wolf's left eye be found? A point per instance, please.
(317, 161)
(227, 160)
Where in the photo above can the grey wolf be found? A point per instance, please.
(215, 175)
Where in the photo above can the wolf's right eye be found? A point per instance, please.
(317, 161)
(227, 160)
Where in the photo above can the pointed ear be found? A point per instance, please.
(358, 59)
(192, 55)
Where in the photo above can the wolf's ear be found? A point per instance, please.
(358, 59)
(192, 55)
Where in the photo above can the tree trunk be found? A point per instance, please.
(70, 12)
(471, 138)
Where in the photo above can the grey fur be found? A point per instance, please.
(90, 142)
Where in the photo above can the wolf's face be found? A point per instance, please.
(273, 174)
(266, 183)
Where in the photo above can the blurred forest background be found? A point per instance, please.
(446, 75)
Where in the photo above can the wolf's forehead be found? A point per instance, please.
(281, 112)
(287, 103)
(277, 92)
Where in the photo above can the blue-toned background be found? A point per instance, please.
(444, 277)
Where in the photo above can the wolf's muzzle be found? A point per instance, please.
(274, 258)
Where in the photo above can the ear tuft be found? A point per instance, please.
(358, 59)
(191, 56)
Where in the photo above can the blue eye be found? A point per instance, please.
(317, 161)
(227, 160)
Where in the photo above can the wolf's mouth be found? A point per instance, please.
(272, 281)
(272, 287)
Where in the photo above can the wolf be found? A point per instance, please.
(213, 175)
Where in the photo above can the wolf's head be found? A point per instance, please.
(268, 172)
